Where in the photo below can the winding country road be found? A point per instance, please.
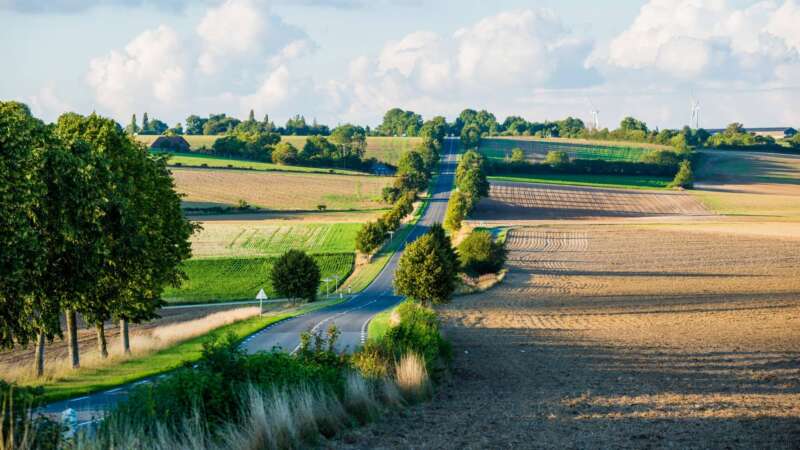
(350, 317)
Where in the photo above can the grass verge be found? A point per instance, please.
(604, 181)
(86, 381)
(379, 325)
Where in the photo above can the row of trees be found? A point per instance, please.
(413, 175)
(91, 225)
(471, 184)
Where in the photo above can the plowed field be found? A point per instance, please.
(508, 202)
(621, 337)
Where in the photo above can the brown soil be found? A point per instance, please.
(510, 202)
(619, 337)
(279, 190)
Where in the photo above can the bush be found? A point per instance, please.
(295, 275)
(370, 236)
(684, 178)
(457, 209)
(424, 272)
(556, 159)
(285, 153)
(417, 332)
(479, 254)
(517, 155)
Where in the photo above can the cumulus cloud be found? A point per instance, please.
(709, 39)
(241, 31)
(151, 70)
(48, 102)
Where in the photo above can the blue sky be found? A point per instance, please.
(350, 60)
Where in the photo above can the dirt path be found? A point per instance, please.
(620, 337)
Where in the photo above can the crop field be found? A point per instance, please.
(279, 191)
(612, 181)
(258, 238)
(218, 162)
(536, 150)
(750, 185)
(509, 202)
(236, 278)
(622, 336)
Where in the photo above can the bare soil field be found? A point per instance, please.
(279, 191)
(510, 202)
(623, 336)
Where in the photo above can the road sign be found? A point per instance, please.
(261, 296)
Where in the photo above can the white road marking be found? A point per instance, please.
(79, 399)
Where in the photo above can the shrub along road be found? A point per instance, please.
(351, 317)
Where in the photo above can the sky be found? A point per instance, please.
(341, 61)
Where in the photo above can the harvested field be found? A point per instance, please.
(749, 184)
(509, 202)
(620, 337)
(279, 191)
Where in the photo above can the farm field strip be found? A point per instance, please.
(498, 148)
(218, 162)
(260, 239)
(604, 181)
(280, 190)
(239, 278)
(523, 201)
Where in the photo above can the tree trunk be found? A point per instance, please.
(101, 339)
(39, 356)
(72, 334)
(123, 332)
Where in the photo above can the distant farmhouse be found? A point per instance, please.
(171, 144)
(773, 132)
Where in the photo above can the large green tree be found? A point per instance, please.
(295, 275)
(471, 136)
(412, 174)
(424, 272)
(23, 143)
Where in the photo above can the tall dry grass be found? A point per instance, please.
(412, 378)
(142, 344)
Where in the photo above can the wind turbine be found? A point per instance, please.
(695, 120)
(595, 115)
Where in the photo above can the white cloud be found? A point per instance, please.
(708, 39)
(150, 71)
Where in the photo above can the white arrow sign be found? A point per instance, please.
(261, 296)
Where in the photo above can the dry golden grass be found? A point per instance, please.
(279, 191)
(143, 342)
(412, 378)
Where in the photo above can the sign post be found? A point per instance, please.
(261, 297)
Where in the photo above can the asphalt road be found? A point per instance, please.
(350, 317)
(353, 316)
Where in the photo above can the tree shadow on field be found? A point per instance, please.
(536, 388)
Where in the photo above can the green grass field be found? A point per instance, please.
(226, 279)
(237, 239)
(608, 181)
(211, 161)
(500, 149)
